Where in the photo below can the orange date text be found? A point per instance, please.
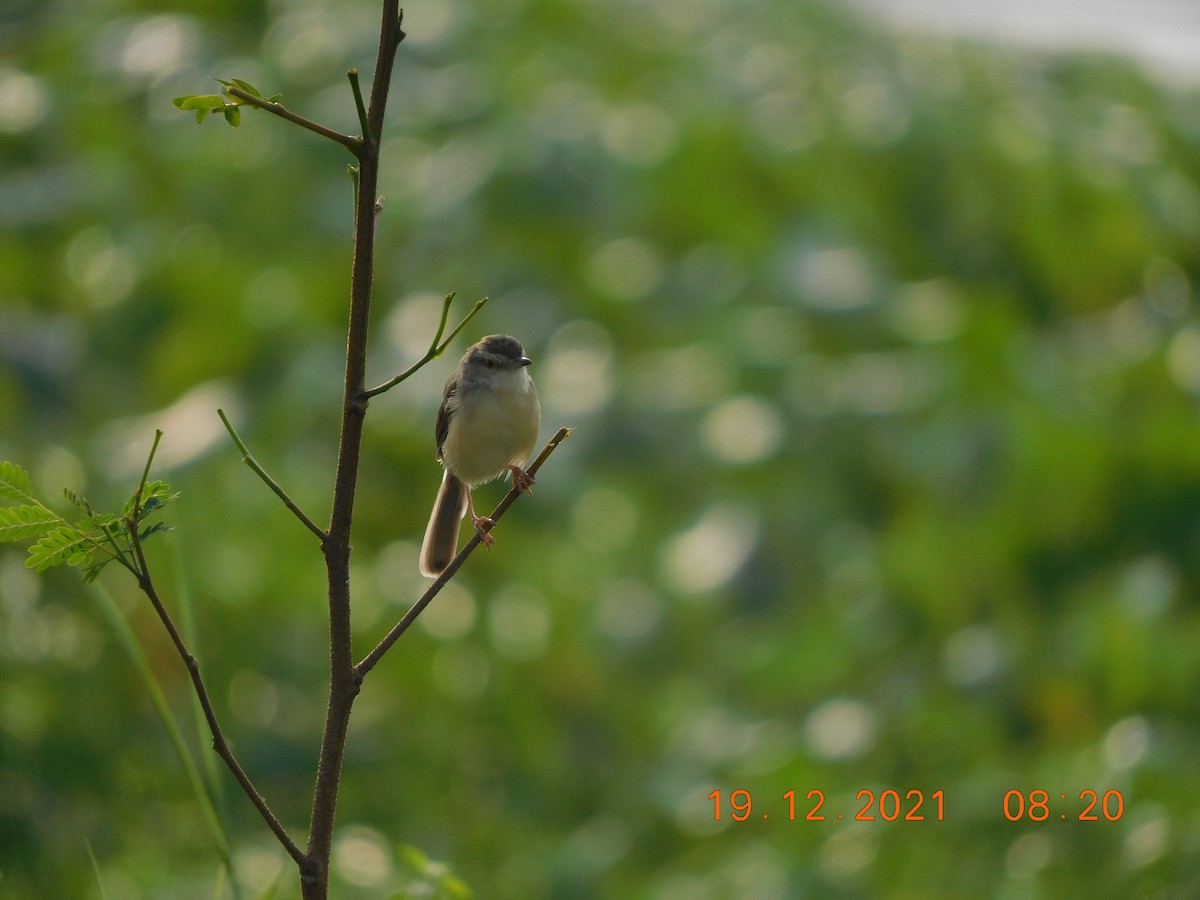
(868, 806)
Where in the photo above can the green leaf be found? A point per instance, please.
(96, 871)
(249, 89)
(91, 572)
(414, 857)
(155, 495)
(233, 115)
(245, 86)
(62, 544)
(203, 104)
(436, 879)
(456, 887)
(79, 501)
(14, 483)
(156, 528)
(158, 490)
(20, 523)
(103, 523)
(200, 101)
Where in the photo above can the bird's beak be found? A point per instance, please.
(525, 361)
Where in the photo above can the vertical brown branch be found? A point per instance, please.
(343, 681)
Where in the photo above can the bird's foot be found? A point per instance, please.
(521, 479)
(482, 524)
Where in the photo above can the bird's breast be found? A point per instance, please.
(492, 428)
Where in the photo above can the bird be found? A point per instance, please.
(487, 425)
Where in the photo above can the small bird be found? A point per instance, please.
(488, 424)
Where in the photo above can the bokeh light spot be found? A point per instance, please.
(576, 377)
(1183, 358)
(451, 615)
(710, 553)
(628, 611)
(973, 655)
(833, 279)
(24, 101)
(461, 671)
(1126, 743)
(519, 621)
(640, 135)
(362, 857)
(742, 430)
(605, 519)
(840, 729)
(1147, 843)
(627, 268)
(1028, 855)
(157, 46)
(105, 271)
(928, 311)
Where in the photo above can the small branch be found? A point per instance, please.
(436, 347)
(351, 143)
(117, 553)
(220, 745)
(369, 661)
(137, 496)
(270, 482)
(358, 102)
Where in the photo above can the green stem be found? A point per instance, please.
(436, 347)
(351, 143)
(358, 102)
(270, 482)
(137, 496)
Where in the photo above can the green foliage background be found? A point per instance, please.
(883, 358)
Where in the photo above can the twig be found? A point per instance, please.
(249, 460)
(358, 103)
(137, 495)
(369, 661)
(436, 347)
(220, 745)
(351, 143)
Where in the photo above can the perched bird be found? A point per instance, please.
(488, 424)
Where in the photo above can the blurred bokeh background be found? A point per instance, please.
(883, 355)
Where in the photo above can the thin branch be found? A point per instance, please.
(117, 553)
(369, 661)
(349, 141)
(358, 102)
(436, 347)
(137, 495)
(220, 745)
(270, 482)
